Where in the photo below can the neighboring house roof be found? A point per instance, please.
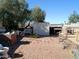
(72, 25)
(43, 23)
(56, 25)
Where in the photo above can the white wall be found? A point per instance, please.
(40, 28)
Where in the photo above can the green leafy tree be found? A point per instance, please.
(12, 12)
(74, 17)
(37, 14)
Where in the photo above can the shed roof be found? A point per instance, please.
(72, 25)
(56, 25)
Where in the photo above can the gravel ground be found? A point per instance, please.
(42, 48)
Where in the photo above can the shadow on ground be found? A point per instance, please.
(15, 46)
(48, 36)
(17, 55)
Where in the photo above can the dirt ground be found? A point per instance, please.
(41, 48)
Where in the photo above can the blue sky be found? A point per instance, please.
(57, 11)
